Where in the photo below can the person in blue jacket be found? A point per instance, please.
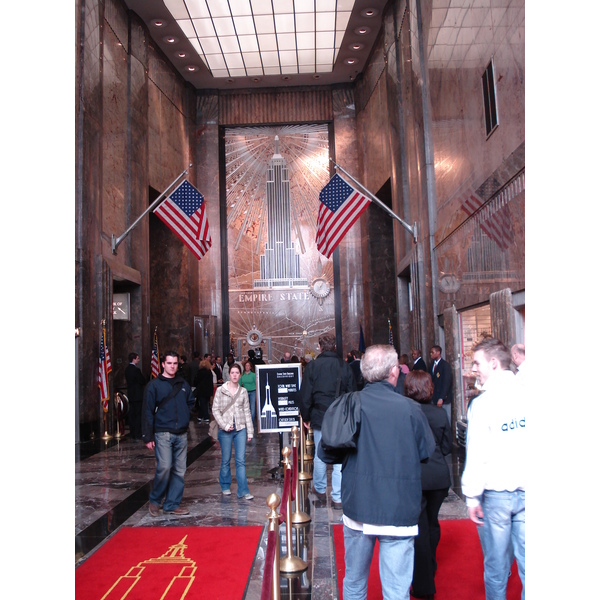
(168, 401)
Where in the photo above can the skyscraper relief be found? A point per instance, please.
(279, 265)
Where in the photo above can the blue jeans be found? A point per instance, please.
(501, 535)
(170, 450)
(320, 473)
(252, 400)
(237, 439)
(395, 564)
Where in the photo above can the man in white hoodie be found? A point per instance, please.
(493, 480)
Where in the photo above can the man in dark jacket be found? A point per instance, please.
(168, 400)
(381, 484)
(324, 379)
(135, 395)
(441, 373)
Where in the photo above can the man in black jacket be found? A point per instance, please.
(381, 484)
(135, 395)
(168, 401)
(324, 379)
(441, 373)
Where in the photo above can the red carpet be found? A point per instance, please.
(460, 565)
(143, 563)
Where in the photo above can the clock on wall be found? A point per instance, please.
(121, 307)
(320, 288)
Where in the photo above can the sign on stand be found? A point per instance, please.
(278, 396)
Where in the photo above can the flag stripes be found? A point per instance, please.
(155, 361)
(341, 206)
(104, 368)
(184, 212)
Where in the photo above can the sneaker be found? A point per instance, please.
(154, 510)
(180, 510)
(226, 492)
(249, 497)
(336, 505)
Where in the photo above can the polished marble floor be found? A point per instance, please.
(113, 478)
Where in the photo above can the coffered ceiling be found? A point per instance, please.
(232, 44)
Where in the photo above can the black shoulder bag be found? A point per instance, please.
(340, 427)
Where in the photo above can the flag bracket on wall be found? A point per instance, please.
(117, 240)
(412, 230)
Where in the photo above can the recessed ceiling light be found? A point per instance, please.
(192, 68)
(231, 81)
(286, 77)
(351, 61)
(316, 76)
(362, 30)
(159, 23)
(181, 54)
(356, 46)
(369, 12)
(170, 39)
(256, 79)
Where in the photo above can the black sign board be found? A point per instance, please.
(277, 396)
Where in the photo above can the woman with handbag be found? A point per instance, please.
(231, 410)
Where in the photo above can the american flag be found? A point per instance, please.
(341, 206)
(104, 368)
(155, 362)
(494, 222)
(184, 213)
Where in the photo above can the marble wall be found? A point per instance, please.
(411, 127)
(135, 123)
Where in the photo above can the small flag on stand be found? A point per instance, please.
(104, 368)
(155, 362)
(184, 212)
(341, 206)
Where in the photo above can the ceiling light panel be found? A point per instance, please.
(285, 39)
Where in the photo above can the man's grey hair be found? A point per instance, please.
(377, 362)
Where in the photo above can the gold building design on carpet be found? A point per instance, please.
(144, 576)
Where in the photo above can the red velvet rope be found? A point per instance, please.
(284, 496)
(295, 467)
(268, 572)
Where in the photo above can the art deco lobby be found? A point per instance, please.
(419, 105)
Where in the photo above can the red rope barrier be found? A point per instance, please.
(268, 572)
(284, 496)
(295, 467)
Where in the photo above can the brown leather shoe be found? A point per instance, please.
(154, 510)
(178, 511)
(336, 505)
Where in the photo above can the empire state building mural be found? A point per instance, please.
(280, 287)
(279, 265)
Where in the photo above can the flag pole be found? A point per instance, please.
(412, 230)
(116, 241)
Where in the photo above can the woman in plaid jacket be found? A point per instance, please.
(231, 410)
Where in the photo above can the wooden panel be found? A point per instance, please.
(275, 107)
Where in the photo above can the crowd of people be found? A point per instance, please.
(405, 415)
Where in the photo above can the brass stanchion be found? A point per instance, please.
(106, 435)
(273, 501)
(298, 517)
(303, 475)
(310, 443)
(120, 410)
(290, 563)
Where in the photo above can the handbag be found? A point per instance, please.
(213, 428)
(340, 428)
